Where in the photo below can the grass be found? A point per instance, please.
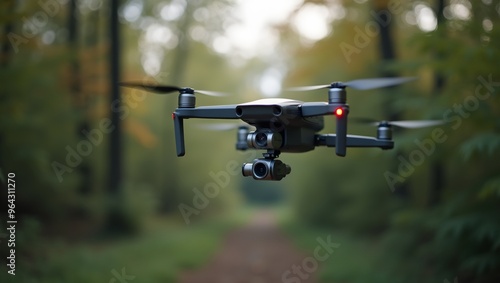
(159, 255)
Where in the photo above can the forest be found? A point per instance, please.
(92, 188)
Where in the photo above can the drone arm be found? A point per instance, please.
(330, 140)
(321, 108)
(209, 112)
(310, 109)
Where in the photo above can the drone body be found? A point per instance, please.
(284, 125)
(280, 125)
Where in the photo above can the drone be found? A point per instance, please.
(286, 125)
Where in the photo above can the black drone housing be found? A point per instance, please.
(285, 125)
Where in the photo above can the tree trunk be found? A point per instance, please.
(115, 146)
(76, 89)
(388, 54)
(117, 222)
(437, 167)
(9, 27)
(4, 61)
(170, 195)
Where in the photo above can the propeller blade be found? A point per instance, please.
(307, 88)
(416, 124)
(410, 124)
(210, 93)
(164, 89)
(161, 89)
(362, 120)
(364, 84)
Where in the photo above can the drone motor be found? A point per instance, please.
(384, 131)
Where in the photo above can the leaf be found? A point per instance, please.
(490, 189)
(485, 143)
(487, 230)
(482, 263)
(458, 226)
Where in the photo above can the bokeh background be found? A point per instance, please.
(100, 191)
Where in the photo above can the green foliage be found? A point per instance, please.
(482, 143)
(160, 254)
(416, 239)
(31, 135)
(491, 189)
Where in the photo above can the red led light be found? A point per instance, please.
(173, 116)
(339, 112)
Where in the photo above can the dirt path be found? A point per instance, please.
(257, 253)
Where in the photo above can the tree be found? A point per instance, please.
(116, 220)
(437, 167)
(387, 56)
(79, 98)
(115, 148)
(5, 56)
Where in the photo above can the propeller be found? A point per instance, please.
(361, 84)
(165, 89)
(410, 124)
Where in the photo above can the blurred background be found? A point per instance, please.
(99, 190)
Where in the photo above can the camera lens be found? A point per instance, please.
(260, 170)
(261, 139)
